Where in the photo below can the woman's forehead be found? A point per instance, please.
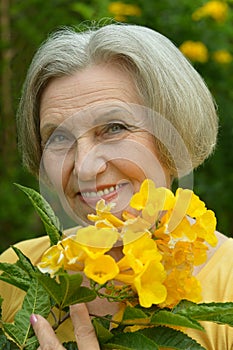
(92, 84)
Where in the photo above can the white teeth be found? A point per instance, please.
(101, 192)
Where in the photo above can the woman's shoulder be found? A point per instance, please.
(32, 248)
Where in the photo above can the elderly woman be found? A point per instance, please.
(100, 112)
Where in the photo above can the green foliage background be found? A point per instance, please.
(26, 23)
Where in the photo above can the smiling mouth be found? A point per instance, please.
(106, 193)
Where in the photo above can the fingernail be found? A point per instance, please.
(33, 319)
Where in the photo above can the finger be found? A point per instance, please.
(45, 334)
(83, 328)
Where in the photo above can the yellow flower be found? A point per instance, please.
(101, 269)
(181, 285)
(104, 217)
(151, 200)
(215, 9)
(196, 206)
(205, 227)
(182, 255)
(199, 253)
(140, 199)
(138, 252)
(52, 260)
(127, 276)
(161, 246)
(149, 284)
(136, 226)
(195, 51)
(183, 230)
(121, 10)
(222, 56)
(186, 203)
(96, 241)
(74, 253)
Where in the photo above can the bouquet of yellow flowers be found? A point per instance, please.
(153, 280)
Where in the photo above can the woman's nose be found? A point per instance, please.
(89, 160)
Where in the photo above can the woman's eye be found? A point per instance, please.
(57, 138)
(113, 131)
(60, 140)
(115, 128)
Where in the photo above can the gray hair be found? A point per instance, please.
(167, 82)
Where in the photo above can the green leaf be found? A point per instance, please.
(15, 275)
(14, 333)
(20, 273)
(69, 284)
(70, 345)
(24, 262)
(132, 313)
(221, 313)
(171, 338)
(32, 343)
(164, 317)
(36, 301)
(82, 295)
(67, 291)
(103, 334)
(131, 341)
(5, 343)
(51, 222)
(51, 286)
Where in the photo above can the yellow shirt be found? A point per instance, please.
(216, 279)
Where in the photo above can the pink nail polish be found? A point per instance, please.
(33, 319)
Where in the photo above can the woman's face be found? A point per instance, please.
(97, 141)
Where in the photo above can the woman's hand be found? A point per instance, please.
(83, 330)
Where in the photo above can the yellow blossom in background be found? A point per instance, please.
(217, 10)
(121, 10)
(222, 56)
(196, 51)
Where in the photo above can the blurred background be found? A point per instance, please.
(203, 30)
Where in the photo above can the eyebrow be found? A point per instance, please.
(103, 116)
(47, 129)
